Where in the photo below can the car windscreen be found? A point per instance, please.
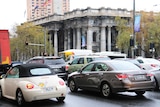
(40, 71)
(56, 61)
(124, 65)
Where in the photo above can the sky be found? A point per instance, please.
(12, 12)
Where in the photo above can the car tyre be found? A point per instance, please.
(140, 93)
(19, 98)
(106, 90)
(60, 99)
(1, 95)
(156, 85)
(72, 86)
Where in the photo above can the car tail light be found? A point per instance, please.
(154, 65)
(61, 82)
(150, 75)
(66, 67)
(122, 76)
(30, 86)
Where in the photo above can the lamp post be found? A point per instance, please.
(134, 35)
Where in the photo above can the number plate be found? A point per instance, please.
(140, 77)
(47, 89)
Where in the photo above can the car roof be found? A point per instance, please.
(46, 57)
(25, 68)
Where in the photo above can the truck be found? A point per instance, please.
(5, 55)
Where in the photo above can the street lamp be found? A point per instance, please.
(134, 35)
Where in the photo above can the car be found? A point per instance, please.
(148, 63)
(31, 82)
(14, 63)
(156, 73)
(80, 61)
(57, 64)
(112, 76)
(134, 61)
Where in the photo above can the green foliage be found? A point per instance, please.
(31, 34)
(124, 32)
(154, 32)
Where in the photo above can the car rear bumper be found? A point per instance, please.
(132, 87)
(41, 94)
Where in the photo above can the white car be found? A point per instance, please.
(30, 82)
(148, 63)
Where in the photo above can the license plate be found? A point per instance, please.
(47, 89)
(140, 77)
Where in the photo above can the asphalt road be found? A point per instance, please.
(93, 99)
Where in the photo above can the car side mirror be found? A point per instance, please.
(79, 70)
(2, 76)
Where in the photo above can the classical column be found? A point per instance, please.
(55, 43)
(89, 38)
(65, 40)
(103, 38)
(78, 39)
(69, 39)
(74, 39)
(50, 43)
(109, 38)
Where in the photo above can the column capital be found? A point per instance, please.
(55, 30)
(110, 26)
(102, 26)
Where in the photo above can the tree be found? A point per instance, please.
(124, 32)
(28, 33)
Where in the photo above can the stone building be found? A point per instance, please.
(93, 29)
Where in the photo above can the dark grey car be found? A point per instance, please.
(56, 63)
(110, 77)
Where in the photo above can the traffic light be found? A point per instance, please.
(131, 42)
(151, 46)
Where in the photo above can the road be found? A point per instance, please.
(93, 99)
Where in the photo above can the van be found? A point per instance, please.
(65, 54)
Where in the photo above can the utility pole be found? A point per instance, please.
(134, 35)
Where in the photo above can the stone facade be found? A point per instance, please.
(93, 29)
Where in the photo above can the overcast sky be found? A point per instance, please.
(12, 11)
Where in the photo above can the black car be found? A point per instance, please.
(56, 63)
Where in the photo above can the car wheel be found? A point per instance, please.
(72, 86)
(1, 96)
(156, 85)
(140, 93)
(19, 98)
(60, 99)
(106, 90)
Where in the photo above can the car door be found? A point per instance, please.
(10, 82)
(96, 75)
(82, 78)
(76, 64)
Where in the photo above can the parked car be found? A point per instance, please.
(30, 82)
(80, 61)
(156, 73)
(148, 63)
(111, 76)
(57, 64)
